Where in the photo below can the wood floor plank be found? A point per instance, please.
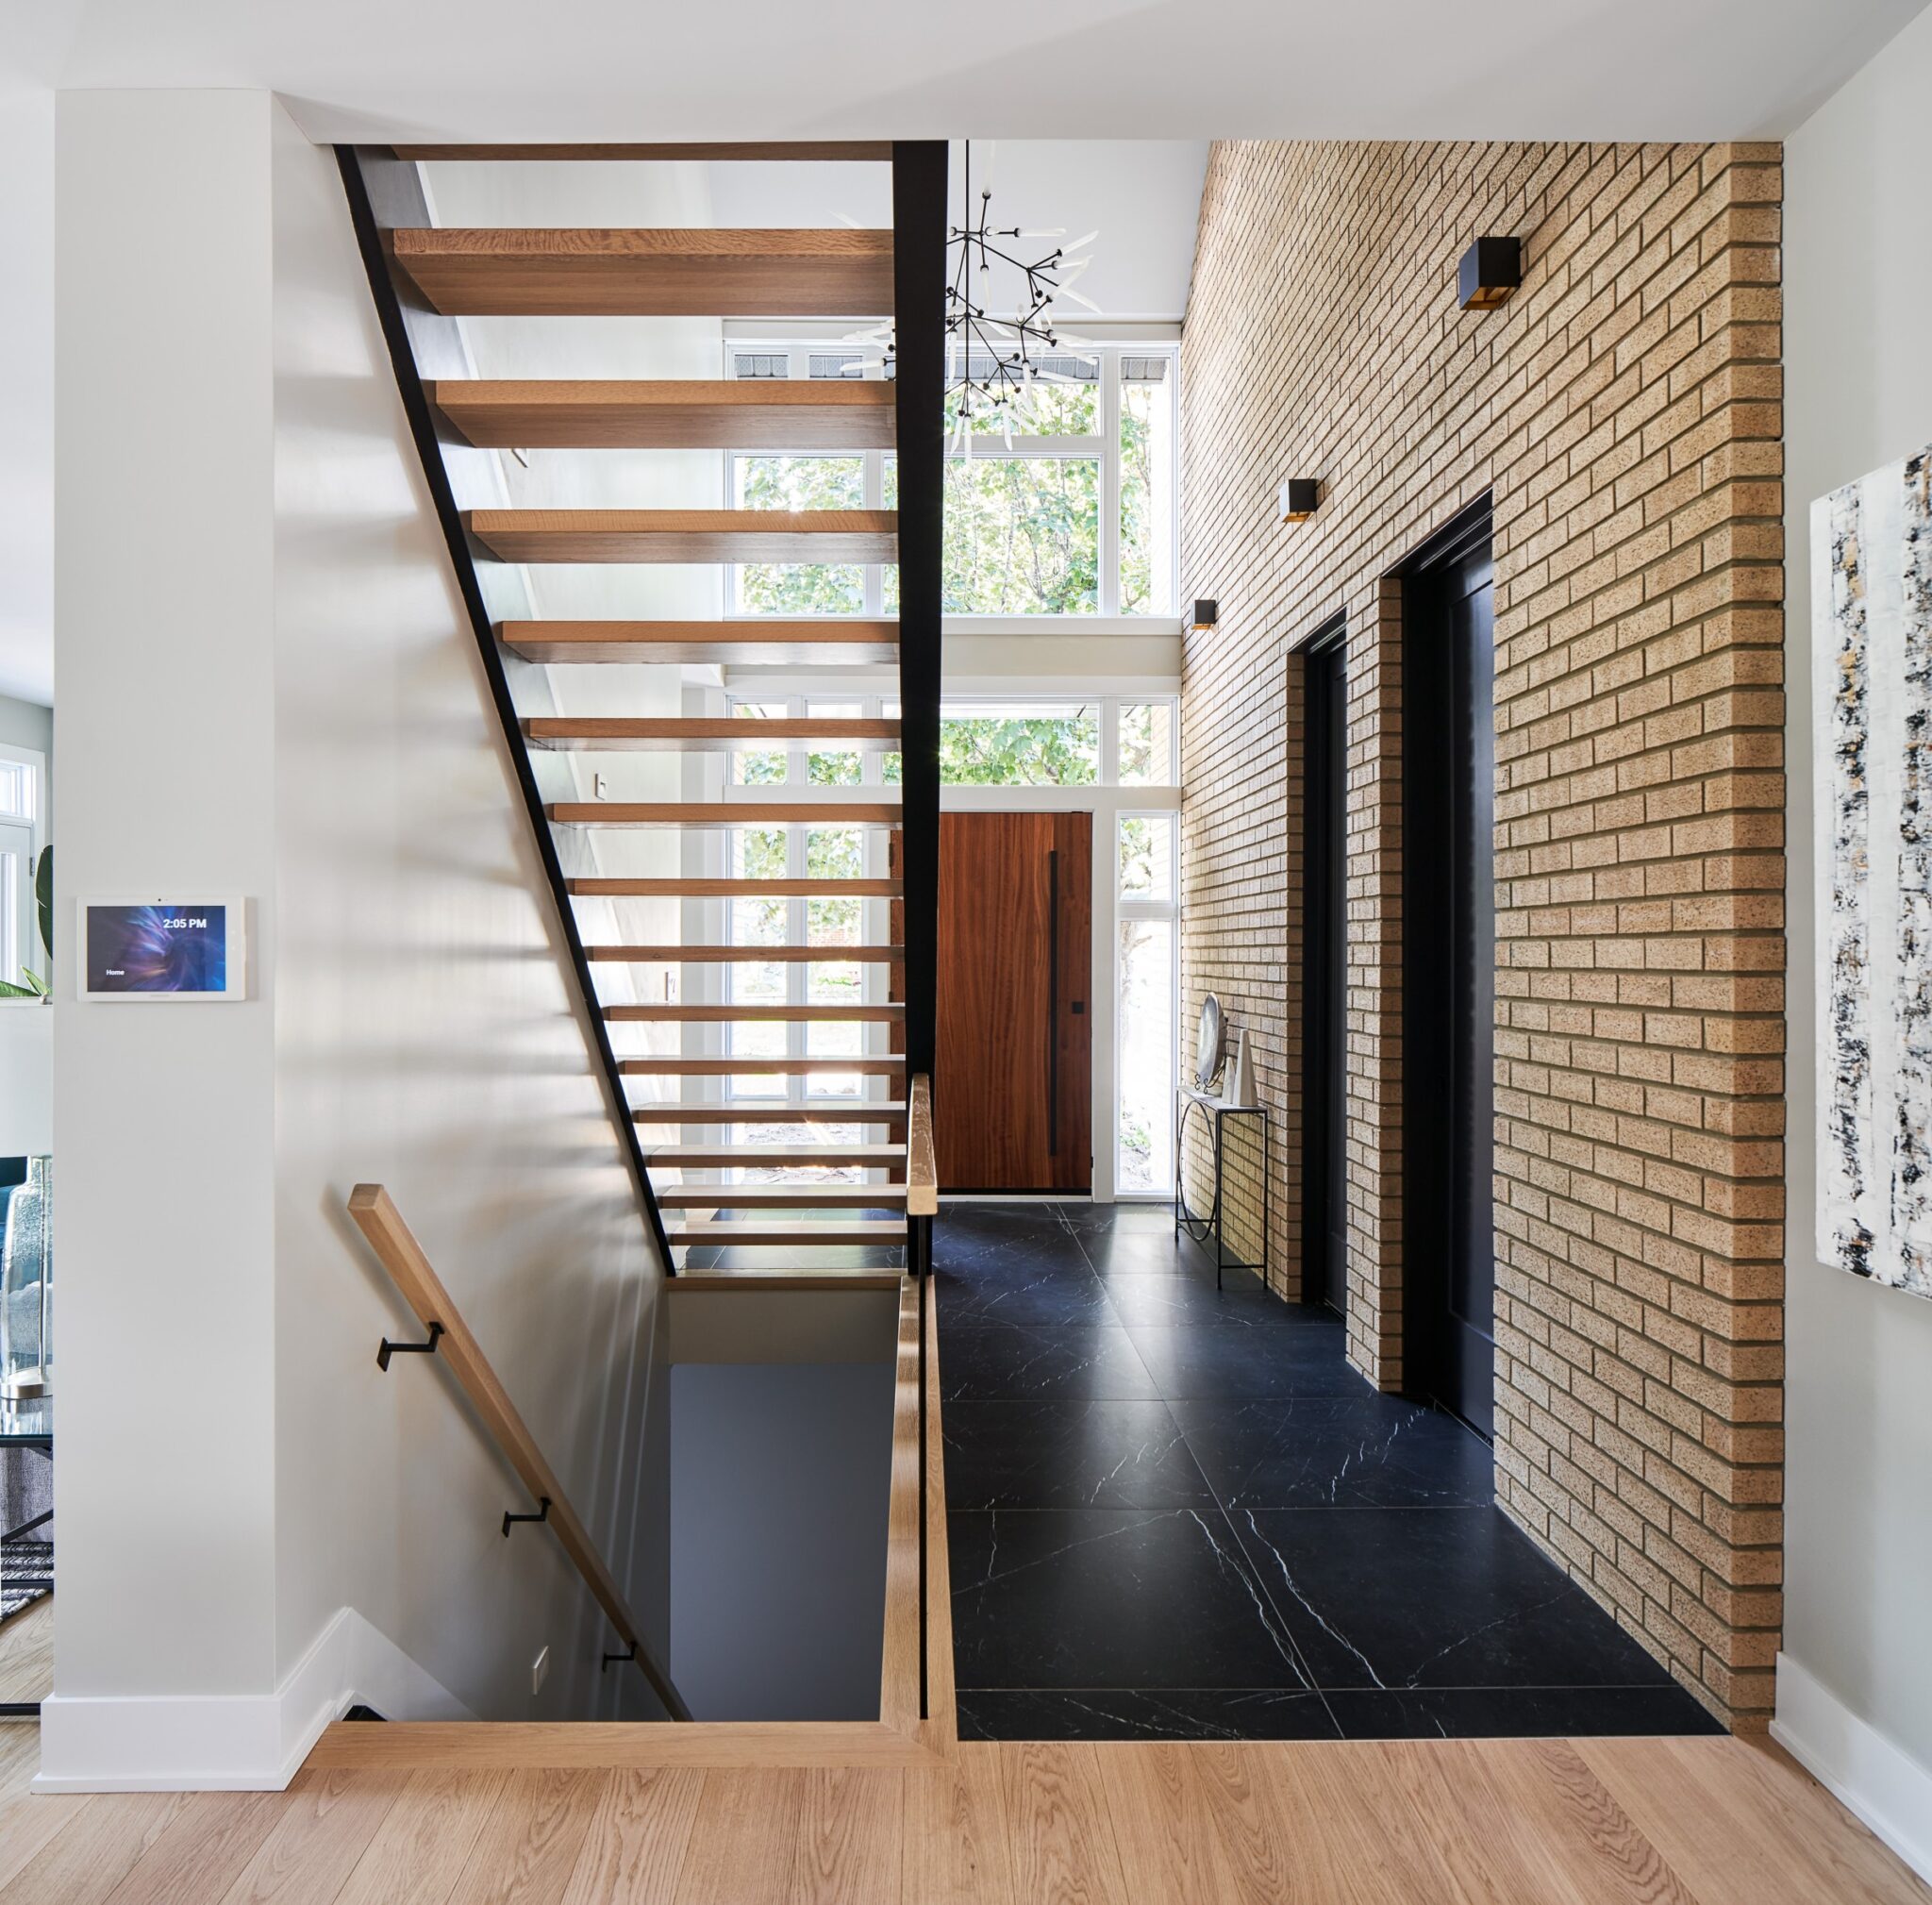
(1058, 1826)
(95, 1848)
(201, 1852)
(1615, 1856)
(20, 1757)
(958, 1850)
(28, 1821)
(423, 1841)
(851, 1825)
(1355, 1838)
(741, 1849)
(638, 1837)
(1742, 1821)
(1253, 1864)
(26, 1653)
(1159, 1808)
(529, 1845)
(323, 1828)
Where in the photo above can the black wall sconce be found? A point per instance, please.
(1491, 268)
(1298, 499)
(1204, 618)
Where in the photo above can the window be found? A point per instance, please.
(22, 773)
(1068, 511)
(1023, 744)
(1147, 897)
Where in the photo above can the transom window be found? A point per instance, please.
(1069, 511)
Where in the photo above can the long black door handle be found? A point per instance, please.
(1052, 1002)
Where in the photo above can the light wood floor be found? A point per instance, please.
(1525, 1822)
(26, 1653)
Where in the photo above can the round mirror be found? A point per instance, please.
(1207, 1043)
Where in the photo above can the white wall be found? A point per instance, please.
(1859, 1544)
(269, 688)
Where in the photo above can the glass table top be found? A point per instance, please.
(31, 1421)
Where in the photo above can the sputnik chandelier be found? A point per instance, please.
(995, 363)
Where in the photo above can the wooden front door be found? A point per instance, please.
(1012, 1085)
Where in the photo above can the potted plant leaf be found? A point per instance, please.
(34, 985)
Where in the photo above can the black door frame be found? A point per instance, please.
(1439, 1350)
(1325, 974)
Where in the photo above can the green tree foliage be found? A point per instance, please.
(1021, 750)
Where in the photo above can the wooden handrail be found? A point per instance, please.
(378, 1219)
(921, 1170)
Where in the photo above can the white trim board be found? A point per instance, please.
(1870, 1777)
(233, 1742)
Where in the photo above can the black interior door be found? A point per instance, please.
(1325, 974)
(1450, 975)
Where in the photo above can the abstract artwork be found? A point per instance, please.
(1871, 662)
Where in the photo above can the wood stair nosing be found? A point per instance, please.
(747, 955)
(818, 413)
(794, 1232)
(686, 535)
(697, 735)
(733, 889)
(865, 1065)
(725, 812)
(692, 271)
(820, 151)
(834, 644)
(800, 1156)
(674, 1112)
(778, 1196)
(754, 1015)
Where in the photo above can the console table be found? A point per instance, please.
(1200, 1227)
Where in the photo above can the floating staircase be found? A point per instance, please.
(800, 1168)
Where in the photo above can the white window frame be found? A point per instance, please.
(26, 836)
(1125, 910)
(1107, 618)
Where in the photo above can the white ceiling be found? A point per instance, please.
(1125, 74)
(1084, 69)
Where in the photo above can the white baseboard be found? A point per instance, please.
(233, 1742)
(1871, 1778)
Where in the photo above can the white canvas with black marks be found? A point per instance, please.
(1871, 659)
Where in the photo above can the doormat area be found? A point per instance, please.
(26, 1570)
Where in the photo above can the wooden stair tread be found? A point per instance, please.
(864, 1063)
(773, 1157)
(734, 888)
(725, 812)
(735, 413)
(686, 535)
(777, 1196)
(697, 734)
(795, 1231)
(683, 272)
(747, 955)
(866, 1111)
(701, 151)
(753, 1014)
(750, 643)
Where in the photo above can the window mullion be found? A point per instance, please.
(1109, 538)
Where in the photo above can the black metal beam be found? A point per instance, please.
(919, 309)
(382, 287)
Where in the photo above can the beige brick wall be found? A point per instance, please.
(1622, 410)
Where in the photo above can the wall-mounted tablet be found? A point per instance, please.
(176, 950)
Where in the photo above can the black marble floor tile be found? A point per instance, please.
(1011, 1239)
(1121, 1219)
(1192, 1360)
(1333, 1451)
(1190, 1297)
(1133, 1713)
(1515, 1713)
(1011, 1296)
(1112, 1597)
(1004, 1363)
(1396, 1597)
(1138, 1251)
(1069, 1455)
